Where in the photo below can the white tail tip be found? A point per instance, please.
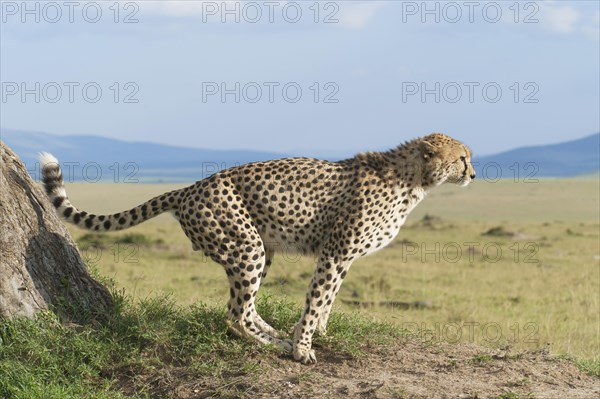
(46, 159)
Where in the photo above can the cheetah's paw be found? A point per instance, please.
(305, 356)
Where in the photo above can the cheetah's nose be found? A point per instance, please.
(473, 176)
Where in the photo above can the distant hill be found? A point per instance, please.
(147, 162)
(571, 158)
(94, 158)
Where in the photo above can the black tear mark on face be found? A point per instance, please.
(464, 161)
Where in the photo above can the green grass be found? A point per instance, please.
(46, 358)
(588, 366)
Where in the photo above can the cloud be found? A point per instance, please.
(351, 14)
(592, 29)
(176, 8)
(559, 19)
(356, 15)
(568, 20)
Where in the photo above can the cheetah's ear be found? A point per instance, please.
(427, 149)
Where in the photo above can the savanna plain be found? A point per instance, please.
(496, 263)
(489, 291)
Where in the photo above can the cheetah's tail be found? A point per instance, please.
(55, 188)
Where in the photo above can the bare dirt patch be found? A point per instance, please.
(410, 369)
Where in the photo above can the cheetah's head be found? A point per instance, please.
(445, 160)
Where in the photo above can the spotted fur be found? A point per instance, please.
(338, 211)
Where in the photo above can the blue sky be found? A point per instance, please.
(496, 75)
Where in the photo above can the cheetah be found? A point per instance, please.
(336, 211)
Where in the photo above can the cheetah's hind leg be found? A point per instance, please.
(260, 323)
(266, 339)
(266, 327)
(244, 281)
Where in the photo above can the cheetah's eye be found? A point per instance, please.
(463, 159)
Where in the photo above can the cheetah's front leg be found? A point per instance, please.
(324, 318)
(319, 298)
